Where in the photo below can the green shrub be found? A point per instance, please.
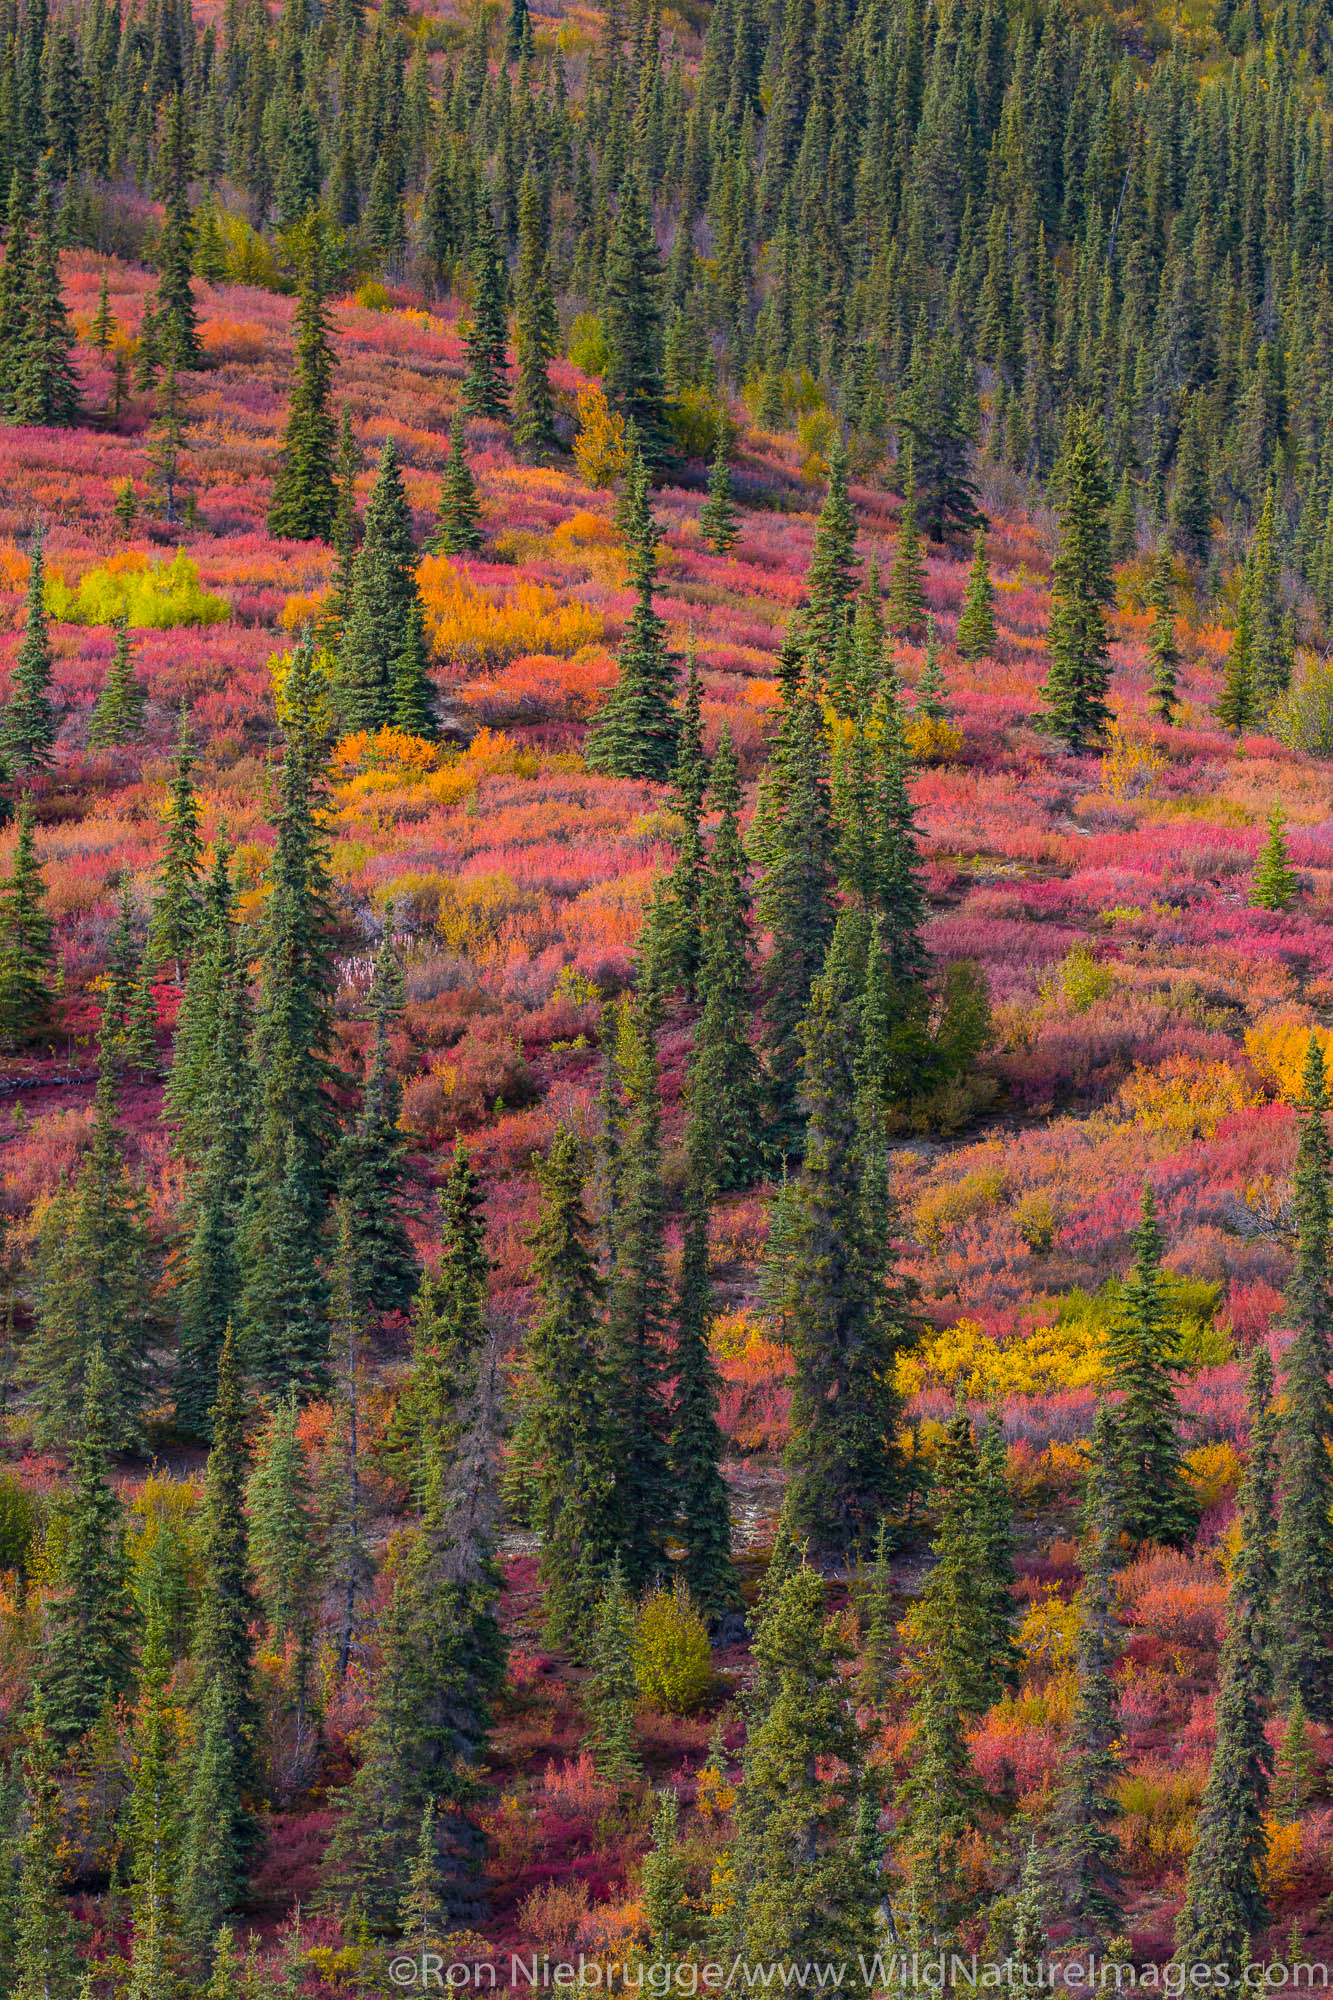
(156, 595)
(587, 345)
(694, 416)
(18, 1523)
(673, 1662)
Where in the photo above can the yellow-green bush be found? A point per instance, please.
(156, 595)
(673, 1664)
(587, 345)
(694, 416)
(19, 1520)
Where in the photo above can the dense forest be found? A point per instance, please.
(666, 955)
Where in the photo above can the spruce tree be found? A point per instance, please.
(572, 1434)
(44, 1963)
(283, 1313)
(1191, 510)
(304, 501)
(1081, 587)
(536, 326)
(666, 1900)
(1226, 1903)
(1237, 701)
(449, 1324)
(486, 339)
(703, 1505)
(92, 1292)
(216, 1825)
(176, 325)
(672, 942)
(176, 906)
(14, 287)
(118, 712)
(223, 1831)
(1085, 1851)
(346, 536)
(799, 1892)
(1275, 883)
(639, 1308)
(796, 903)
(612, 1698)
(373, 1164)
(976, 637)
(411, 693)
(1163, 651)
(907, 583)
(88, 1644)
(846, 1328)
(382, 594)
(1303, 1632)
(718, 521)
(459, 531)
(442, 1661)
(154, 1817)
(26, 948)
(28, 724)
(725, 1122)
(966, 1610)
(284, 1550)
(830, 581)
(1158, 1504)
(635, 733)
(938, 1807)
(45, 388)
(632, 323)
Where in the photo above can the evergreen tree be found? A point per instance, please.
(702, 1502)
(411, 694)
(216, 1827)
(1158, 1504)
(632, 323)
(176, 907)
(1191, 497)
(1270, 634)
(718, 520)
(175, 320)
(44, 1963)
(28, 724)
(221, 1830)
(382, 595)
(573, 1436)
(536, 326)
(967, 1608)
(304, 501)
(977, 638)
(154, 1816)
(938, 1806)
(612, 1697)
(87, 1653)
(283, 1313)
(1085, 1852)
(1225, 1897)
(167, 439)
(799, 1892)
(846, 1327)
(907, 584)
(449, 1324)
(635, 733)
(1275, 882)
(1163, 652)
(485, 388)
(673, 939)
(93, 1293)
(930, 688)
(638, 1308)
(796, 903)
(1237, 701)
(830, 582)
(373, 1164)
(26, 948)
(666, 1901)
(724, 1127)
(1081, 588)
(346, 535)
(1302, 1631)
(118, 712)
(283, 1547)
(459, 532)
(45, 388)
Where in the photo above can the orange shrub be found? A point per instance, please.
(467, 625)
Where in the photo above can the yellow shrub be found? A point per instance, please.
(250, 258)
(299, 610)
(601, 452)
(1278, 1048)
(932, 740)
(1185, 1098)
(713, 1796)
(1129, 769)
(477, 913)
(321, 667)
(1065, 1356)
(1212, 1470)
(372, 295)
(1079, 981)
(1283, 1857)
(464, 624)
(673, 1663)
(1157, 1806)
(157, 595)
(1049, 1632)
(946, 1208)
(584, 529)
